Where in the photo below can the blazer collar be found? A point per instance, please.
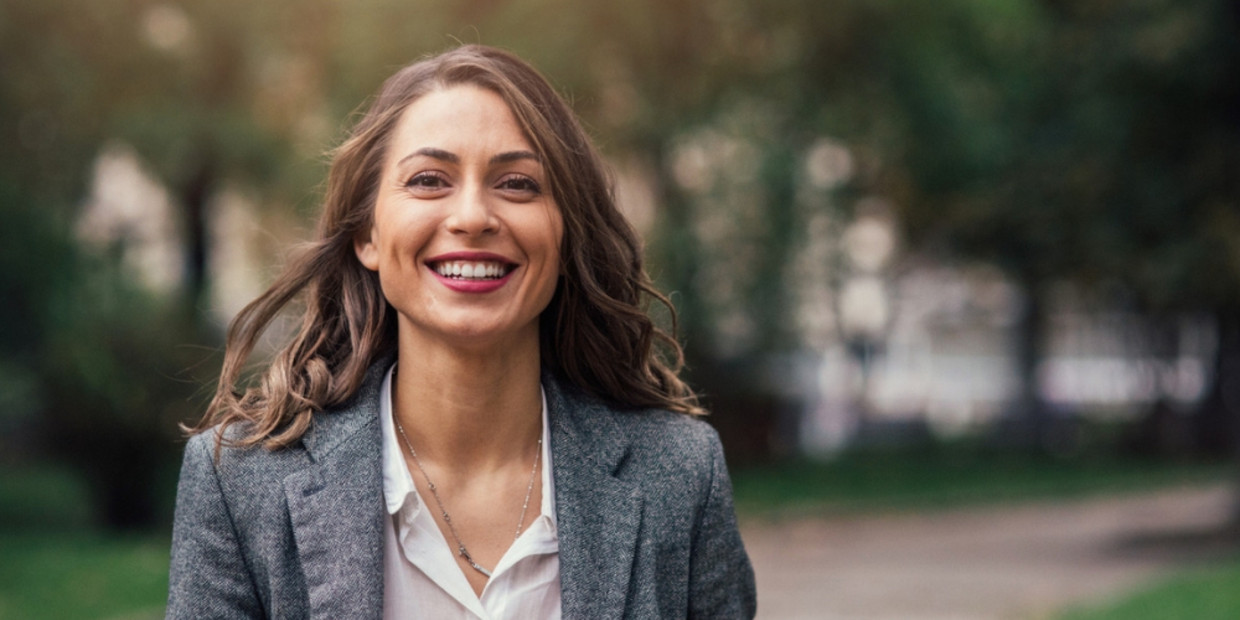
(599, 515)
(331, 428)
(336, 507)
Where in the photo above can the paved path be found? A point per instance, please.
(982, 563)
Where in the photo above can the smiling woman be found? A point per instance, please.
(476, 419)
(465, 241)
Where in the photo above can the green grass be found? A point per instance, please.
(82, 575)
(1211, 593)
(948, 477)
(55, 564)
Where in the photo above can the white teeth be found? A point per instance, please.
(470, 270)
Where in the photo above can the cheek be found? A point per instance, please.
(556, 234)
(390, 285)
(555, 243)
(397, 257)
(403, 238)
(551, 233)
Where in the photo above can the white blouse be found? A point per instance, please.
(421, 578)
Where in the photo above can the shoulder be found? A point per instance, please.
(669, 471)
(215, 452)
(640, 445)
(328, 430)
(246, 483)
(255, 475)
(662, 435)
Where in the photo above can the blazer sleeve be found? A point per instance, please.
(721, 580)
(208, 577)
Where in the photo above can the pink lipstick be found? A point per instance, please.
(471, 272)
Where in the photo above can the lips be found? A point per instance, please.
(472, 272)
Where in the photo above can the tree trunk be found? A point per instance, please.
(1218, 431)
(1218, 418)
(124, 483)
(195, 193)
(1028, 420)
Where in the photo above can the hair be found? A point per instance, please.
(594, 333)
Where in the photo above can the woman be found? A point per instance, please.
(473, 419)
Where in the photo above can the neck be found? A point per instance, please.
(475, 408)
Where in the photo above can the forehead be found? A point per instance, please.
(460, 119)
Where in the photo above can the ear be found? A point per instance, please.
(364, 248)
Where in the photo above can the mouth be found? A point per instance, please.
(472, 270)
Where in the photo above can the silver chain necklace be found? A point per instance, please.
(460, 546)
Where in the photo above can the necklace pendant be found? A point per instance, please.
(470, 560)
(480, 569)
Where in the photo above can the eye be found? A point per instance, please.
(519, 184)
(427, 181)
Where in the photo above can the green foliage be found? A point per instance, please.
(36, 263)
(91, 365)
(43, 499)
(1207, 593)
(35, 260)
(117, 375)
(1080, 141)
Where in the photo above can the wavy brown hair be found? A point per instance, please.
(595, 333)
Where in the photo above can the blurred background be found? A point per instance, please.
(929, 258)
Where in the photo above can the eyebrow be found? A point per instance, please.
(453, 158)
(511, 156)
(433, 153)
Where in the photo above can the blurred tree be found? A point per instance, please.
(989, 130)
(35, 259)
(1085, 141)
(1171, 202)
(119, 370)
(105, 357)
(1090, 141)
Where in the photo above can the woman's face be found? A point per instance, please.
(466, 237)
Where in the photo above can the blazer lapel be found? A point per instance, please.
(336, 510)
(598, 515)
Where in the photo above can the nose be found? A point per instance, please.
(472, 214)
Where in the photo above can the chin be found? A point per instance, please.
(473, 334)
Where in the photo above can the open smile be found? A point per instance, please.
(472, 270)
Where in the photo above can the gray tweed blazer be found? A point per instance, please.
(643, 505)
